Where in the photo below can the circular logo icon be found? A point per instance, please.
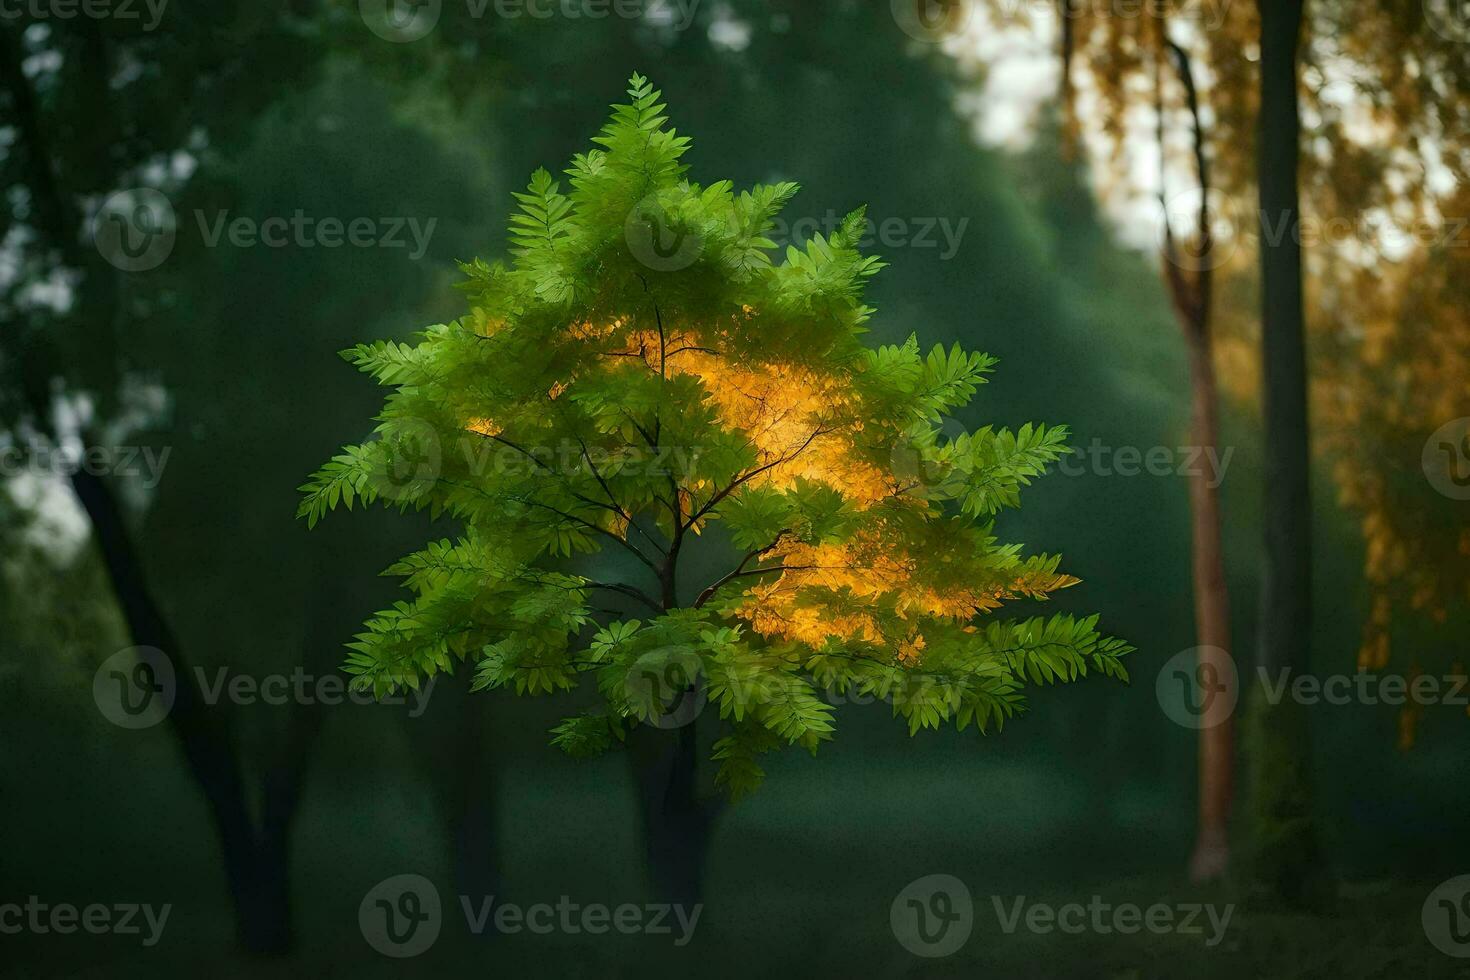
(134, 230)
(932, 917)
(135, 688)
(1180, 216)
(657, 241)
(669, 684)
(1446, 917)
(401, 916)
(400, 21)
(1447, 459)
(931, 21)
(1450, 19)
(1199, 687)
(409, 461)
(913, 464)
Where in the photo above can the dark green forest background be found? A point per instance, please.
(299, 106)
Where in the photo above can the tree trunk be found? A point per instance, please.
(1211, 858)
(1193, 305)
(1287, 858)
(202, 735)
(676, 821)
(473, 816)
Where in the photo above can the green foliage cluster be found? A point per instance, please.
(584, 405)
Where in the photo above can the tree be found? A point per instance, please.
(643, 377)
(1133, 55)
(1383, 87)
(1287, 844)
(94, 110)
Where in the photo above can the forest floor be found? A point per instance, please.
(796, 886)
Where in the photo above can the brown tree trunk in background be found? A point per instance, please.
(1286, 850)
(1211, 858)
(1193, 299)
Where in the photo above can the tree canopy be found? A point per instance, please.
(642, 371)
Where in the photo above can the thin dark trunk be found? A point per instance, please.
(676, 820)
(1287, 858)
(472, 804)
(202, 735)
